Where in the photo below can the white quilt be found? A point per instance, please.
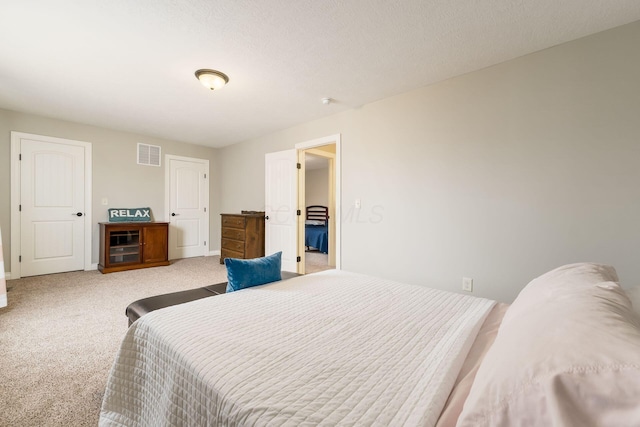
(331, 348)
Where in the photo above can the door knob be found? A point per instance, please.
(266, 217)
(173, 214)
(77, 214)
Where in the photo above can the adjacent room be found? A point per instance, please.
(317, 193)
(233, 213)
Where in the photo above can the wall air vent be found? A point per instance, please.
(148, 155)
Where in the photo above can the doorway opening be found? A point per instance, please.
(315, 199)
(318, 227)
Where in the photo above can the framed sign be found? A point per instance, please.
(129, 215)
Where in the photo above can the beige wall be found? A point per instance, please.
(115, 172)
(497, 175)
(317, 187)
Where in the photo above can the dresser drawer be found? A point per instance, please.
(233, 221)
(233, 233)
(233, 245)
(242, 235)
(226, 253)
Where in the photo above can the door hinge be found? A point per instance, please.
(298, 212)
(298, 165)
(298, 259)
(205, 209)
(19, 258)
(205, 243)
(19, 156)
(19, 208)
(205, 176)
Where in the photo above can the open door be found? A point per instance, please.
(281, 200)
(285, 202)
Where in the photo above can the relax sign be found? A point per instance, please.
(127, 215)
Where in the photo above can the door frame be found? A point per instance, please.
(16, 236)
(318, 142)
(167, 196)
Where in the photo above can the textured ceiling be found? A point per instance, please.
(129, 64)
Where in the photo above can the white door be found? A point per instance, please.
(3, 283)
(281, 200)
(52, 207)
(188, 206)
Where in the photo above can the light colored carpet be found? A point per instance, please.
(60, 334)
(316, 261)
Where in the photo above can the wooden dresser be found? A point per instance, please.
(242, 236)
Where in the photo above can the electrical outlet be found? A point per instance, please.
(467, 284)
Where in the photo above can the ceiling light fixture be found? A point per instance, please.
(212, 79)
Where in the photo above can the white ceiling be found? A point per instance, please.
(129, 64)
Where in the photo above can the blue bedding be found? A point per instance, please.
(317, 236)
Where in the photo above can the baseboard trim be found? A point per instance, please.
(7, 275)
(213, 253)
(3, 300)
(93, 267)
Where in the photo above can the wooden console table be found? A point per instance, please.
(131, 245)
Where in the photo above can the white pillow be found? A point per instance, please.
(560, 284)
(567, 353)
(634, 295)
(313, 222)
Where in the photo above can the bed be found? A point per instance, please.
(339, 348)
(316, 230)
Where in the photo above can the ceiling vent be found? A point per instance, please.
(148, 155)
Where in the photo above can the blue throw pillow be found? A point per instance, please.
(244, 273)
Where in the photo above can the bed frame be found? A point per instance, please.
(318, 213)
(316, 235)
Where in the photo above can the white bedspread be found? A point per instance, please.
(331, 348)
